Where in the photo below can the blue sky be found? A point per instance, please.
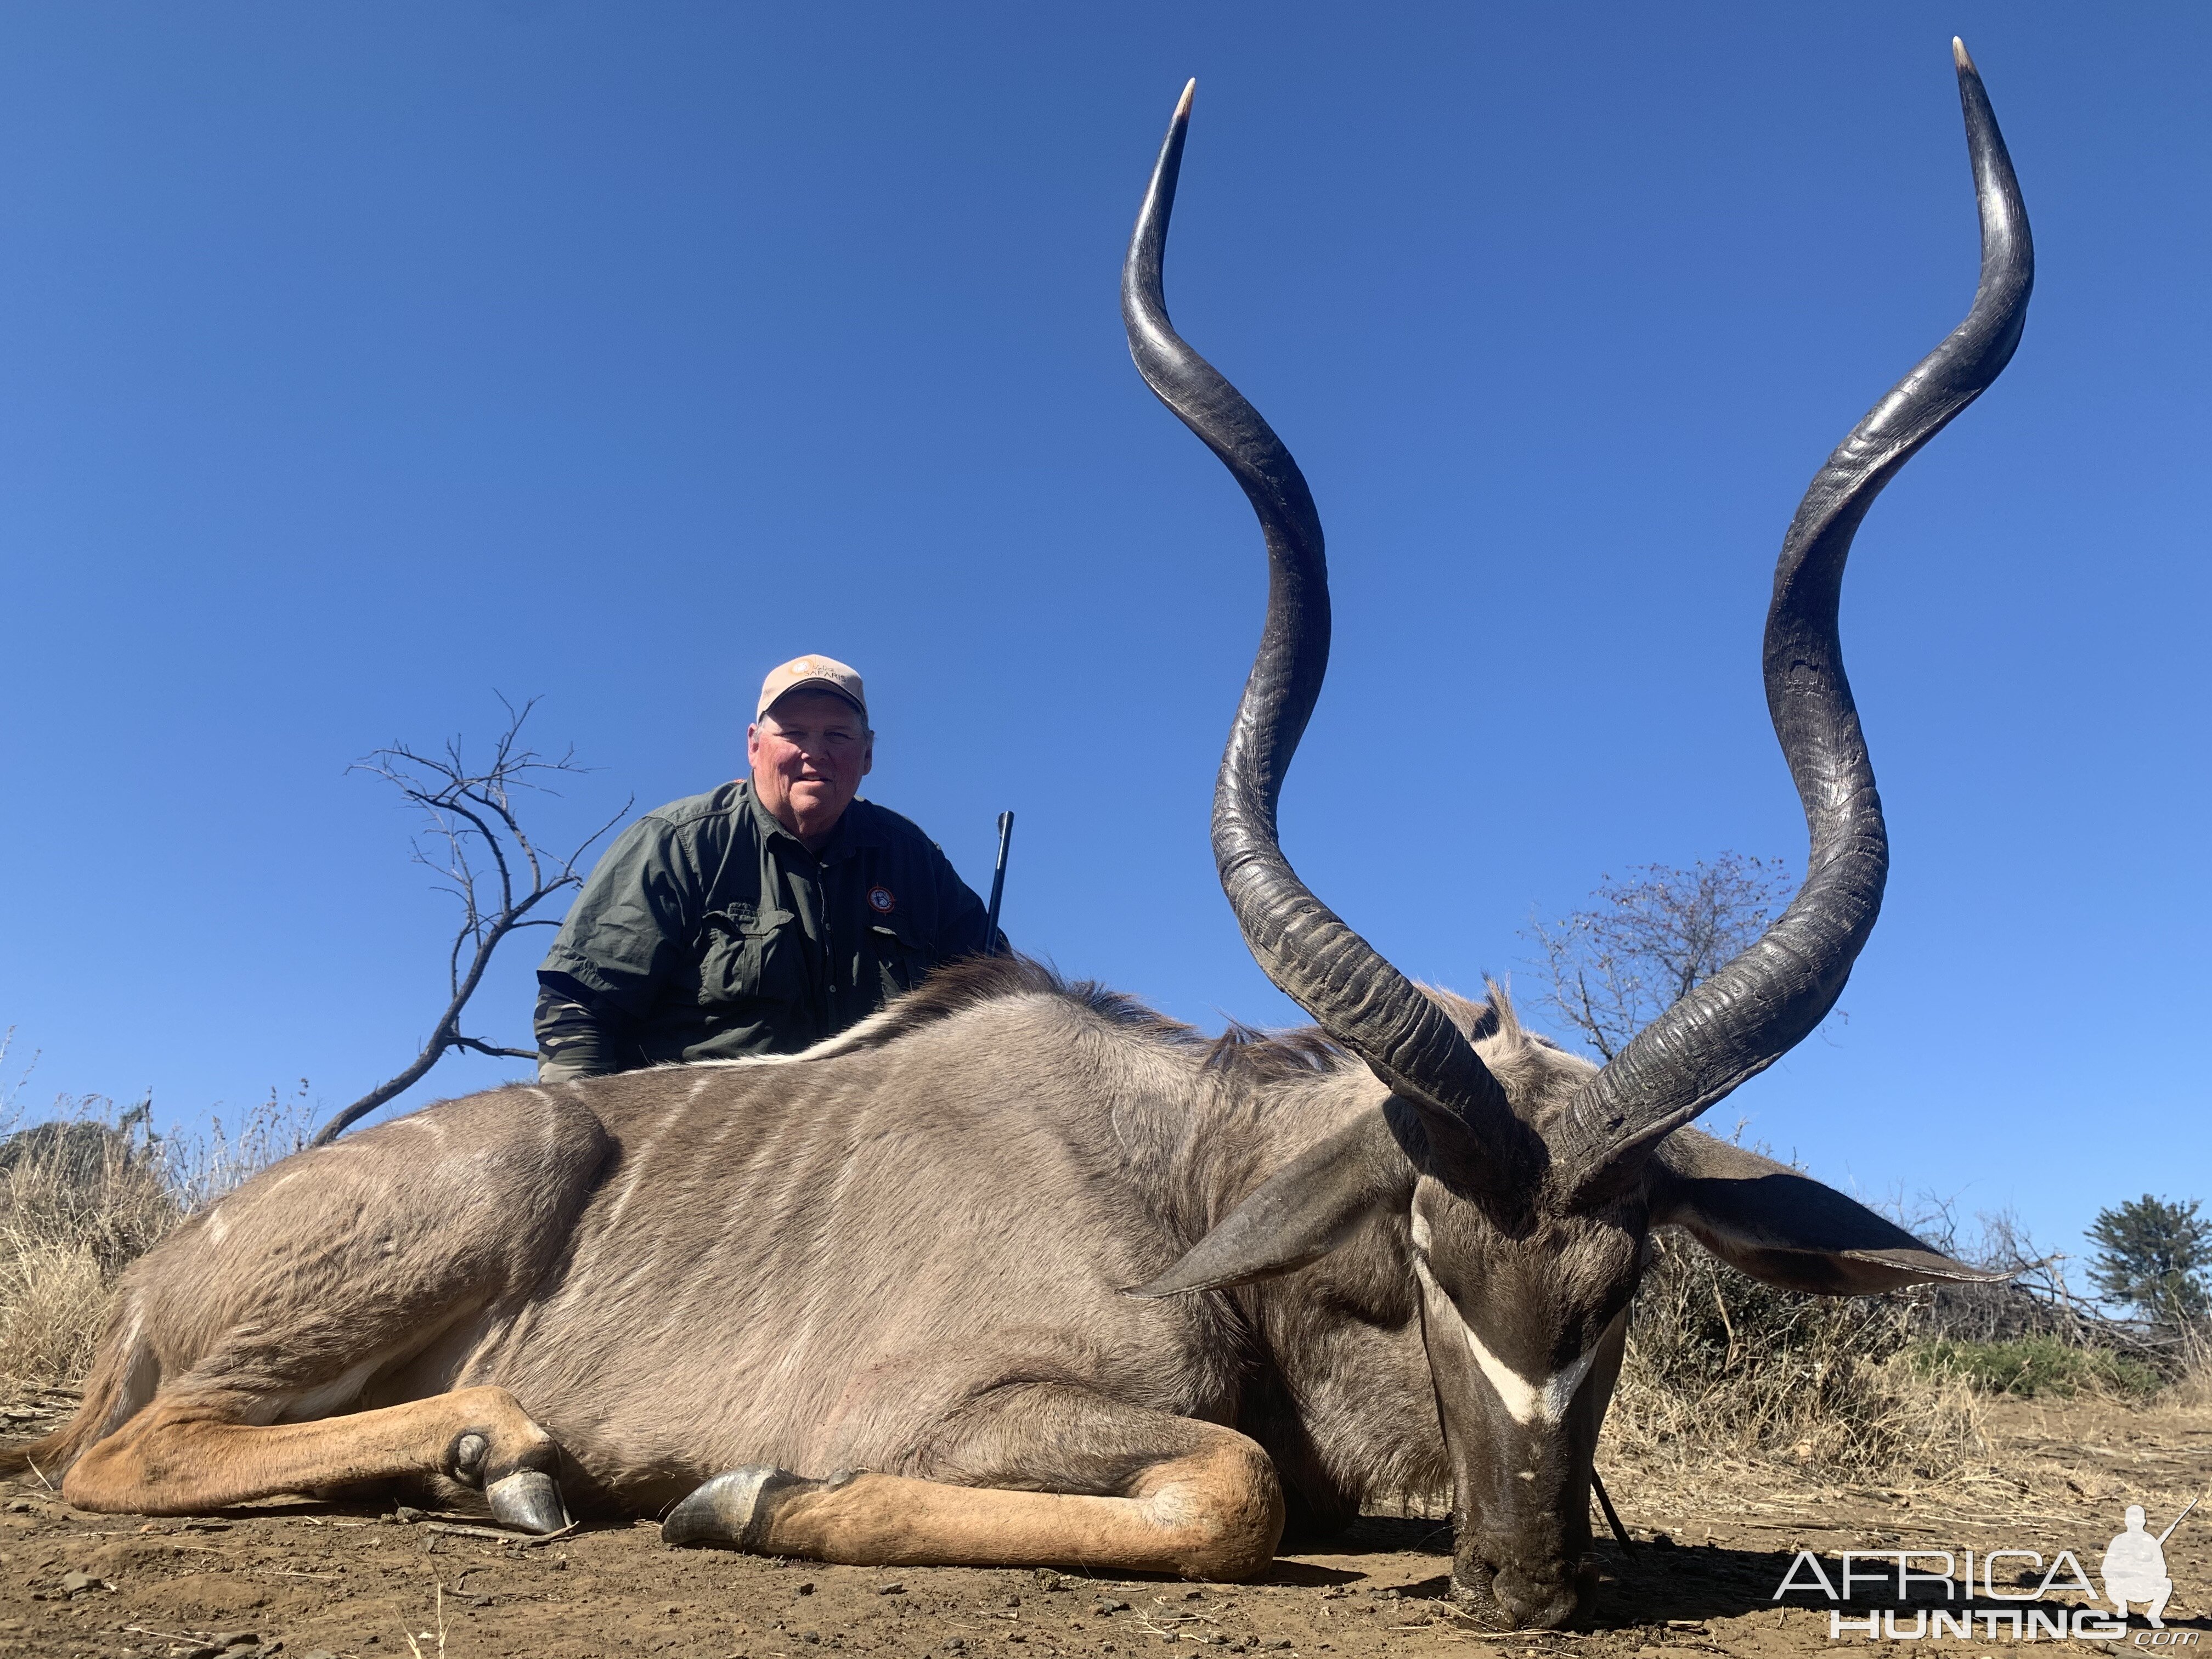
(358, 362)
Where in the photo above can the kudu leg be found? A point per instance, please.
(1190, 1498)
(359, 1274)
(184, 1456)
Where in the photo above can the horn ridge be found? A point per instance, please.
(1759, 1005)
(1302, 946)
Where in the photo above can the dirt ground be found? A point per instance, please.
(302, 1579)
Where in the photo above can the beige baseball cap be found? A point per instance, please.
(823, 673)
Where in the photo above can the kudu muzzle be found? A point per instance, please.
(1522, 1552)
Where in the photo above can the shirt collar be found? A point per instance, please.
(856, 829)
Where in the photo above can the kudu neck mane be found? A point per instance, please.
(1294, 1086)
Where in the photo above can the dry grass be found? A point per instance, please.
(2194, 1389)
(79, 1200)
(1720, 1364)
(87, 1193)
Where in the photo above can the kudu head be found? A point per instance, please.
(1535, 1177)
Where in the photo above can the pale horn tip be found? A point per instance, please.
(1190, 91)
(1959, 57)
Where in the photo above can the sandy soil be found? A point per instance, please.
(303, 1579)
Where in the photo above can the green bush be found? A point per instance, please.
(2030, 1366)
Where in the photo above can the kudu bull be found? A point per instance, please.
(1392, 1255)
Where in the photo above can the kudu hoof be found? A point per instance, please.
(528, 1500)
(735, 1509)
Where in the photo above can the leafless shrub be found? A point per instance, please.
(1647, 941)
(85, 1193)
(1719, 1363)
(2194, 1386)
(2037, 1303)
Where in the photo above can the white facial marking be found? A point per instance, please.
(1526, 1400)
(1529, 1400)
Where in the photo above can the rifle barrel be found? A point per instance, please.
(2181, 1517)
(998, 884)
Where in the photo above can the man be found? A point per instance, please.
(760, 918)
(2135, 1570)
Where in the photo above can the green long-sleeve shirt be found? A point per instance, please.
(709, 931)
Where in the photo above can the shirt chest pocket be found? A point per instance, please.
(903, 955)
(751, 954)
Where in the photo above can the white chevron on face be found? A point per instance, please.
(1527, 1400)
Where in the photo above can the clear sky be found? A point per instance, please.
(359, 360)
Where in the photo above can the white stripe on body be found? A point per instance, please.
(845, 1042)
(635, 1154)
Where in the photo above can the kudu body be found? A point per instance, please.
(1065, 1282)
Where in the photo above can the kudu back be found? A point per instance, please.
(1021, 1273)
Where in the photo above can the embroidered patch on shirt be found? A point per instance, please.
(881, 901)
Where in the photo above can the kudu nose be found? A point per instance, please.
(1524, 1594)
(1544, 1601)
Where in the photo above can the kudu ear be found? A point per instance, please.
(1297, 1216)
(1784, 1227)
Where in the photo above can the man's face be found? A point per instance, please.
(809, 753)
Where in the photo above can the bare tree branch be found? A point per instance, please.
(1611, 969)
(489, 1048)
(468, 807)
